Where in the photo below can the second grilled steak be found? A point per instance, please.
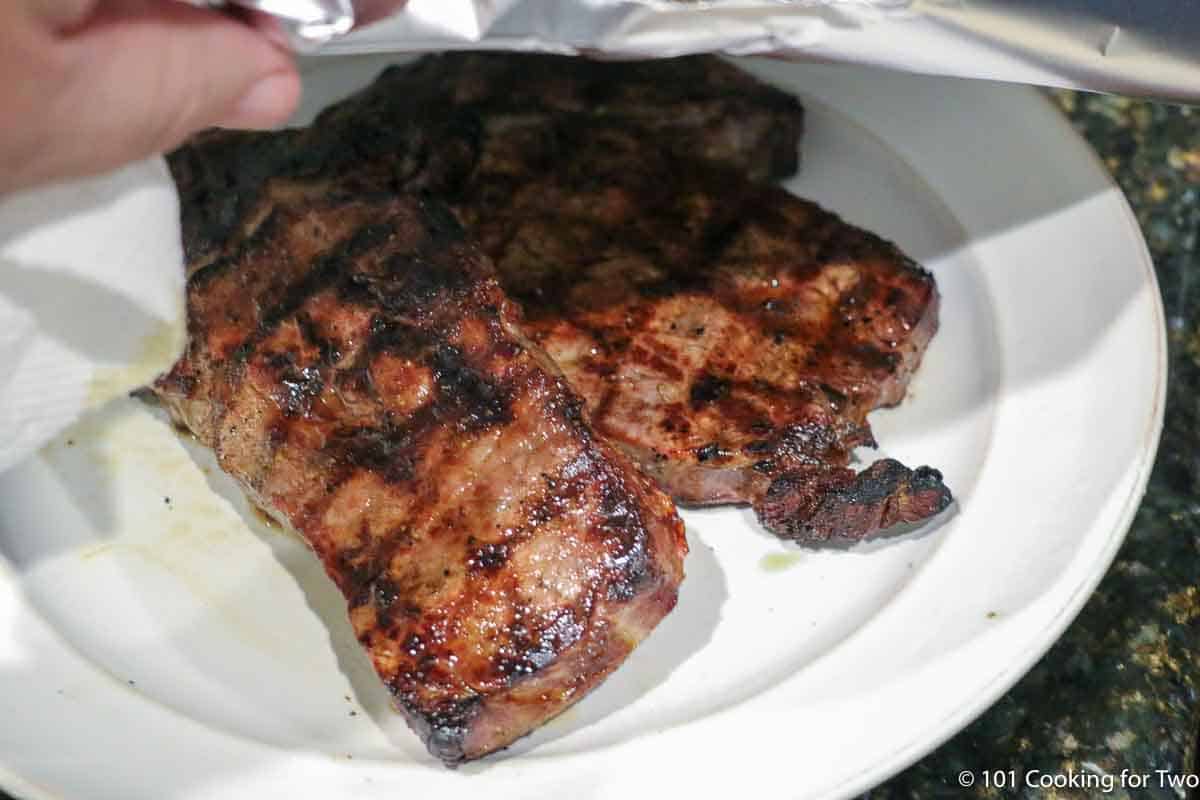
(355, 366)
(728, 335)
(426, 126)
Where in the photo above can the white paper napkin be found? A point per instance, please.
(91, 298)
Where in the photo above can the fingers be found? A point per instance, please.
(62, 15)
(139, 76)
(369, 11)
(190, 67)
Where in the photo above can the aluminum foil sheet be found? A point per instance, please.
(1137, 47)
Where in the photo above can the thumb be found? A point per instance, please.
(145, 74)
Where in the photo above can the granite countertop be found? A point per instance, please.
(1119, 690)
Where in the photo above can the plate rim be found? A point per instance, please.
(1151, 437)
(954, 723)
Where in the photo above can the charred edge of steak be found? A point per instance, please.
(821, 504)
(444, 731)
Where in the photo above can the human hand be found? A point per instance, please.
(87, 85)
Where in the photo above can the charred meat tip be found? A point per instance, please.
(823, 505)
(445, 731)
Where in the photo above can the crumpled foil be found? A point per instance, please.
(1140, 47)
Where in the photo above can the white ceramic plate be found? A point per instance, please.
(155, 648)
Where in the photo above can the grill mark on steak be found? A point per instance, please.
(482, 403)
(330, 267)
(361, 374)
(330, 354)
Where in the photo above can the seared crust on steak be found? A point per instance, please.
(356, 367)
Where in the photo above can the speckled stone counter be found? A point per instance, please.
(1119, 690)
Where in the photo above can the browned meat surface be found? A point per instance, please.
(694, 106)
(728, 336)
(425, 125)
(356, 367)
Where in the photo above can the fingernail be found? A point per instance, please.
(268, 103)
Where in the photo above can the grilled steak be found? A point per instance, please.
(356, 367)
(695, 106)
(730, 337)
(425, 125)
